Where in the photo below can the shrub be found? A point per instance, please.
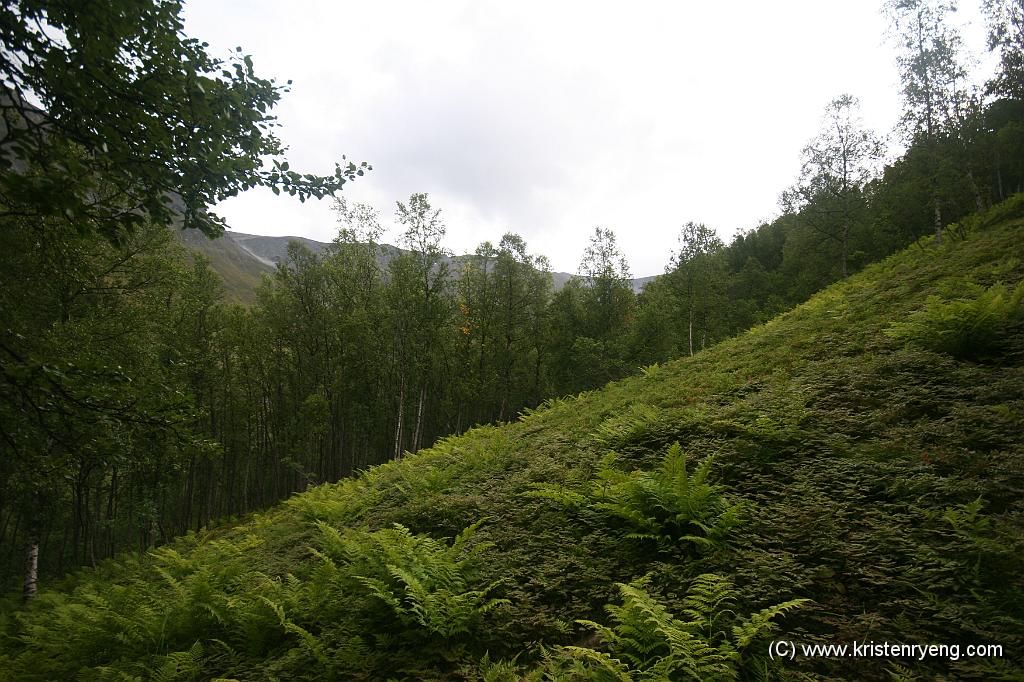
(971, 327)
(411, 590)
(669, 505)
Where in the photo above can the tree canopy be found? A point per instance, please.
(111, 114)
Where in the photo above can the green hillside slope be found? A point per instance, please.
(239, 270)
(866, 456)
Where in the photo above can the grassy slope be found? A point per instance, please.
(852, 452)
(240, 271)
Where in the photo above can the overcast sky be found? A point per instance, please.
(551, 118)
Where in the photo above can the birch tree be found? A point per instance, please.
(1006, 38)
(836, 165)
(693, 269)
(934, 82)
(420, 308)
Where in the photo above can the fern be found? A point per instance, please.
(971, 327)
(600, 662)
(646, 642)
(899, 673)
(180, 665)
(629, 427)
(427, 585)
(650, 370)
(669, 505)
(762, 623)
(496, 671)
(556, 493)
(709, 600)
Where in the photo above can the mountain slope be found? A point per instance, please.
(238, 267)
(863, 465)
(273, 250)
(240, 259)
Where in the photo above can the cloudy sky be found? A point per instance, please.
(549, 119)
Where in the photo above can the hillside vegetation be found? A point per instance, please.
(240, 259)
(139, 401)
(239, 270)
(850, 471)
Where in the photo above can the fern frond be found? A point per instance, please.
(650, 370)
(180, 665)
(463, 538)
(669, 504)
(647, 642)
(707, 599)
(761, 623)
(556, 493)
(310, 641)
(899, 673)
(603, 661)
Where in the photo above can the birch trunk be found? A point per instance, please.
(401, 414)
(419, 419)
(31, 584)
(691, 330)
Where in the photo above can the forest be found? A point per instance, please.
(150, 428)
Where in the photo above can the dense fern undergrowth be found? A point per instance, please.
(850, 471)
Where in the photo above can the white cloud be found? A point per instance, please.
(550, 118)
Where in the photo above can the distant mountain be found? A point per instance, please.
(640, 282)
(240, 268)
(272, 250)
(241, 259)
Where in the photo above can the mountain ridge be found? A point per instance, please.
(241, 259)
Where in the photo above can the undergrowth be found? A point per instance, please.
(974, 325)
(862, 451)
(646, 642)
(668, 505)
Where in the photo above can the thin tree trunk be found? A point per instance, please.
(95, 533)
(61, 552)
(691, 329)
(419, 419)
(111, 513)
(845, 243)
(536, 373)
(978, 201)
(31, 584)
(78, 522)
(938, 221)
(999, 179)
(507, 389)
(401, 414)
(190, 485)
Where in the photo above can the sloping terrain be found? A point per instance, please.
(273, 250)
(239, 268)
(240, 259)
(866, 454)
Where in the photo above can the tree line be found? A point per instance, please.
(137, 405)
